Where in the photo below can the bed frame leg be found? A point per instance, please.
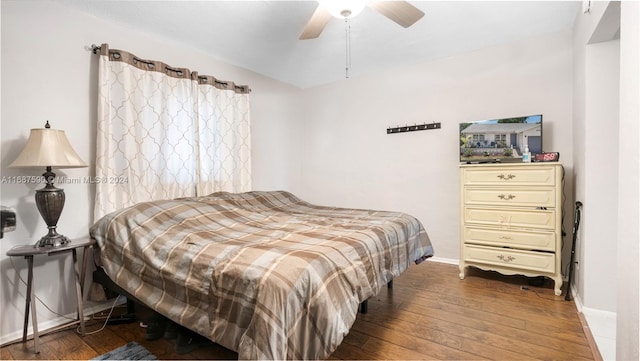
(364, 306)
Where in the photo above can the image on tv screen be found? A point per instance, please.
(500, 139)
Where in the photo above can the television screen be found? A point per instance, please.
(500, 140)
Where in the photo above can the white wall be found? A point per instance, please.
(600, 210)
(588, 280)
(598, 241)
(596, 86)
(608, 182)
(628, 284)
(48, 74)
(351, 161)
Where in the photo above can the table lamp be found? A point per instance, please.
(49, 148)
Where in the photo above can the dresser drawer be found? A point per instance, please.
(526, 260)
(509, 217)
(526, 175)
(532, 196)
(542, 241)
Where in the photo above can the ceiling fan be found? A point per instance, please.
(400, 12)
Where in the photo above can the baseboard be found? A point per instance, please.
(593, 345)
(16, 336)
(603, 328)
(600, 326)
(445, 260)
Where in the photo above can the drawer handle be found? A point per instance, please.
(507, 197)
(506, 258)
(506, 177)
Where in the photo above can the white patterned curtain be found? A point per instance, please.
(223, 138)
(166, 132)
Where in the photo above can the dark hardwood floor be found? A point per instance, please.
(429, 314)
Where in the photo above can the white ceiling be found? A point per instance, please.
(263, 35)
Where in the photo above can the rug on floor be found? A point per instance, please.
(130, 351)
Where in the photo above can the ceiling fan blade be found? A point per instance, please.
(316, 24)
(401, 12)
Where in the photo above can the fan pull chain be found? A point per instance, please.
(347, 30)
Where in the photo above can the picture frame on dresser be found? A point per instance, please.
(511, 219)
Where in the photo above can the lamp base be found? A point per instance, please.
(50, 201)
(49, 240)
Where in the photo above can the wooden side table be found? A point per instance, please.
(28, 252)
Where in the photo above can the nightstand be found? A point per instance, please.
(28, 252)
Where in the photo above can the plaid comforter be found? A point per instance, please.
(262, 273)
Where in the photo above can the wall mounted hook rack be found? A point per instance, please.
(413, 128)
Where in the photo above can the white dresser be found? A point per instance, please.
(511, 219)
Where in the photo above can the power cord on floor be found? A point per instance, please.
(106, 320)
(527, 288)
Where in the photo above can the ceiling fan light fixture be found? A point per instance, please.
(399, 11)
(344, 8)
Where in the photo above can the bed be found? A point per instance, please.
(265, 274)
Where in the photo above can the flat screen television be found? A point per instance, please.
(500, 140)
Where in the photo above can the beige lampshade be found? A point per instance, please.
(48, 147)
